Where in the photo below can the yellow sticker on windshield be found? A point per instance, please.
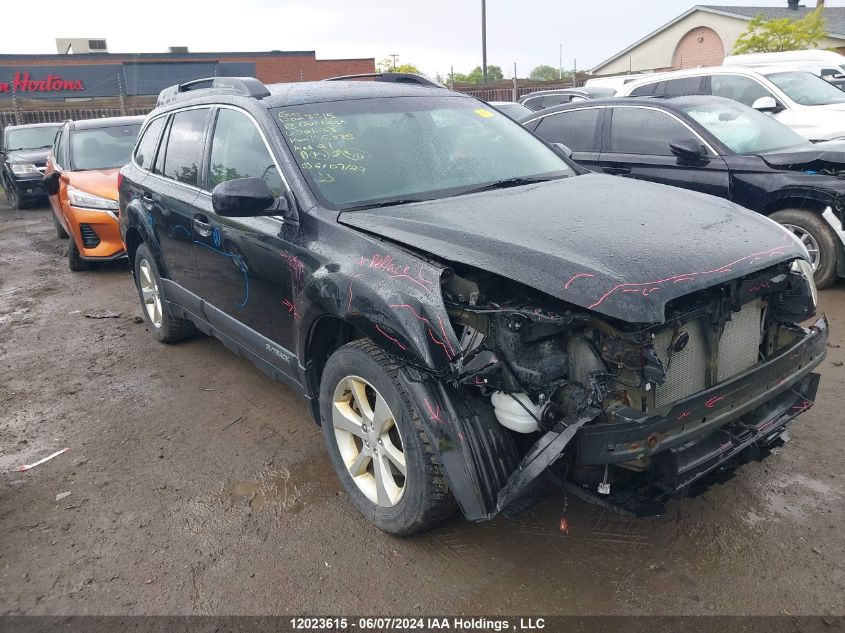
(484, 113)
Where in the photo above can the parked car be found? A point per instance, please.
(809, 105)
(823, 63)
(617, 81)
(462, 307)
(547, 98)
(513, 110)
(23, 155)
(720, 147)
(81, 181)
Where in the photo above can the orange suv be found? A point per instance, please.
(81, 181)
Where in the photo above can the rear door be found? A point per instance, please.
(170, 195)
(636, 144)
(579, 129)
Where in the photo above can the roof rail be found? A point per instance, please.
(243, 86)
(397, 78)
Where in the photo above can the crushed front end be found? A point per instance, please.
(628, 414)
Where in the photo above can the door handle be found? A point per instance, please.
(616, 171)
(147, 201)
(201, 225)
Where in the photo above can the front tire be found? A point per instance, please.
(166, 327)
(74, 259)
(60, 230)
(377, 444)
(818, 237)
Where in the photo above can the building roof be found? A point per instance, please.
(835, 17)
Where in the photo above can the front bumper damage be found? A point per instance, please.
(695, 436)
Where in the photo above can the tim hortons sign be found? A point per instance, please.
(23, 82)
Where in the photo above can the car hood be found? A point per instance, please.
(831, 153)
(100, 182)
(37, 156)
(619, 247)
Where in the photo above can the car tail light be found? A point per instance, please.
(119, 180)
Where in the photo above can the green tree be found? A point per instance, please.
(494, 73)
(544, 72)
(781, 34)
(386, 66)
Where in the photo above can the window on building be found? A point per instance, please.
(97, 45)
(644, 131)
(574, 128)
(238, 151)
(184, 146)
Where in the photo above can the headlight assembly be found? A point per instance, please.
(84, 200)
(21, 169)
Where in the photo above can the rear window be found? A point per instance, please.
(575, 128)
(644, 91)
(147, 147)
(184, 146)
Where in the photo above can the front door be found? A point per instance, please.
(636, 145)
(249, 272)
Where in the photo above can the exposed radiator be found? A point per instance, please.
(687, 372)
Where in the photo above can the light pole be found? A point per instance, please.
(394, 56)
(484, 41)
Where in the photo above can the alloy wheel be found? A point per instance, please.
(150, 292)
(808, 241)
(368, 440)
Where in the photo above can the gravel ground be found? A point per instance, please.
(199, 486)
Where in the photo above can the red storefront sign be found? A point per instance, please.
(23, 82)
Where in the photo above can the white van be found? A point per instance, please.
(803, 101)
(818, 62)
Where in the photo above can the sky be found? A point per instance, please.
(434, 35)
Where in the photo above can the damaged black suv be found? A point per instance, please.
(470, 315)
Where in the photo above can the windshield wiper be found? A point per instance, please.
(509, 182)
(385, 203)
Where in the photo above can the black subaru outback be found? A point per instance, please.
(471, 316)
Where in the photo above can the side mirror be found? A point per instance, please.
(243, 198)
(51, 183)
(766, 104)
(562, 149)
(687, 149)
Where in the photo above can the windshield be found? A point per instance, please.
(30, 137)
(743, 129)
(409, 148)
(806, 88)
(102, 148)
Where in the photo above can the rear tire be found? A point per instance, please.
(60, 230)
(815, 233)
(74, 259)
(405, 503)
(166, 327)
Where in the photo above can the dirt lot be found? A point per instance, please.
(198, 485)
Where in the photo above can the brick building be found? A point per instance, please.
(38, 88)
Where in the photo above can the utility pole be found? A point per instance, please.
(394, 56)
(484, 41)
(560, 63)
(515, 88)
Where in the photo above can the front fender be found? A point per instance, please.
(391, 296)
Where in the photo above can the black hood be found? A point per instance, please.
(620, 247)
(37, 156)
(831, 153)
